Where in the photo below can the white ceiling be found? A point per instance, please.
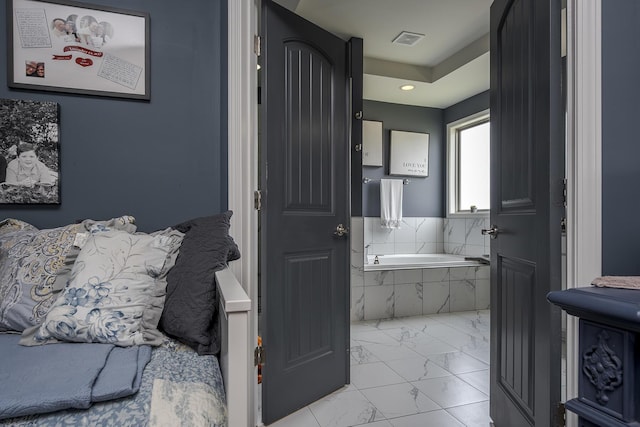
(449, 65)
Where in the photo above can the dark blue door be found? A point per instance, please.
(527, 171)
(305, 183)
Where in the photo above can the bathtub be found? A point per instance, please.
(416, 261)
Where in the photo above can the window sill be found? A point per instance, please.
(460, 215)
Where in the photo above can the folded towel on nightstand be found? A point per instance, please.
(626, 282)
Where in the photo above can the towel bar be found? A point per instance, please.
(405, 181)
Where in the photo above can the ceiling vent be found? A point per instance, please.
(407, 38)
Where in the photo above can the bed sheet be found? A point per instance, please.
(178, 387)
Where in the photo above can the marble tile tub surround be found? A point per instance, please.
(428, 235)
(463, 236)
(399, 293)
(415, 236)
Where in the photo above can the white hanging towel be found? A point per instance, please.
(390, 203)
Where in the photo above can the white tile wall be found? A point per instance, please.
(436, 275)
(416, 235)
(378, 278)
(463, 236)
(357, 303)
(460, 236)
(357, 269)
(483, 292)
(429, 230)
(403, 293)
(407, 276)
(379, 302)
(428, 248)
(400, 293)
(462, 294)
(436, 297)
(408, 299)
(462, 273)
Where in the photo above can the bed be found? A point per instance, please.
(182, 380)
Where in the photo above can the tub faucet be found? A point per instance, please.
(366, 253)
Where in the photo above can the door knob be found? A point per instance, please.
(491, 232)
(341, 230)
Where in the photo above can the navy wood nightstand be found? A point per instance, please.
(609, 352)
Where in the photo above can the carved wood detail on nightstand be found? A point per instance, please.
(602, 367)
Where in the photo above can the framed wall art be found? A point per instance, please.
(371, 143)
(409, 153)
(66, 46)
(29, 152)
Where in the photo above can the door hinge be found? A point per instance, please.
(358, 148)
(564, 192)
(257, 200)
(258, 356)
(561, 415)
(257, 44)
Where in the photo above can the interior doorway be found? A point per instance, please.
(576, 126)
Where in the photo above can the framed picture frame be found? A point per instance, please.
(371, 143)
(409, 153)
(67, 46)
(29, 152)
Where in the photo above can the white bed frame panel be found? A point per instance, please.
(235, 361)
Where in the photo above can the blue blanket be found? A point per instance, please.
(176, 380)
(52, 377)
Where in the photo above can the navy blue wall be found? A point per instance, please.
(162, 161)
(620, 143)
(423, 196)
(469, 106)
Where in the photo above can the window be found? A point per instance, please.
(468, 165)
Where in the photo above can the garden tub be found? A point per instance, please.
(417, 261)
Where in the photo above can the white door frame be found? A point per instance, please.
(242, 145)
(584, 159)
(584, 163)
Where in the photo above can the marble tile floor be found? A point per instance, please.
(425, 371)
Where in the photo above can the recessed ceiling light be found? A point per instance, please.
(259, 66)
(407, 87)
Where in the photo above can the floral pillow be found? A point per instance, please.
(35, 266)
(10, 226)
(116, 291)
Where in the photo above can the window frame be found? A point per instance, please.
(453, 161)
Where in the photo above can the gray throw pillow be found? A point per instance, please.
(190, 310)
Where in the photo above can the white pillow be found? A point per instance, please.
(116, 292)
